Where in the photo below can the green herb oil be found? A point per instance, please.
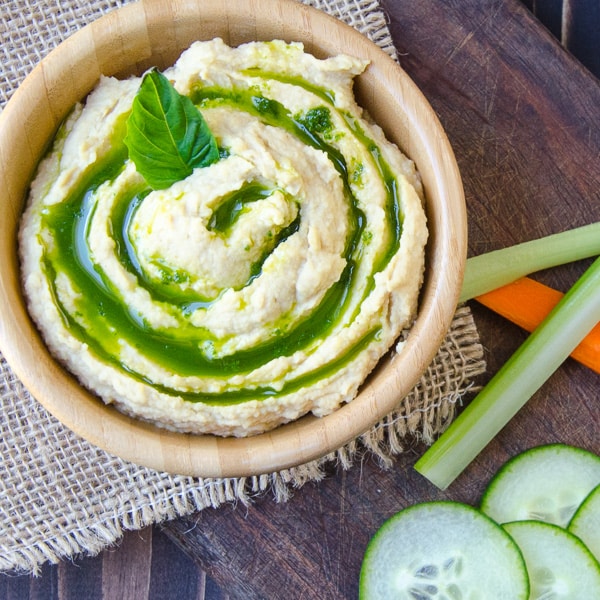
(103, 321)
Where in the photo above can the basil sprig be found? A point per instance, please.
(167, 137)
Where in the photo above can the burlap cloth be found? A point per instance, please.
(60, 496)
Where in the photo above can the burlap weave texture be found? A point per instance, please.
(61, 496)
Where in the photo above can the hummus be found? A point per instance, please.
(257, 289)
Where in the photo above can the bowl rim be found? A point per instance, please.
(290, 445)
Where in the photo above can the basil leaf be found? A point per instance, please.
(167, 137)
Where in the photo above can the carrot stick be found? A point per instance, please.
(527, 302)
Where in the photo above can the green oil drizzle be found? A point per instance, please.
(102, 318)
(231, 207)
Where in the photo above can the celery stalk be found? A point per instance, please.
(520, 377)
(494, 269)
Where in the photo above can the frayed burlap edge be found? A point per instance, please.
(139, 497)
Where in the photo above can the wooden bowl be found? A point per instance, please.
(152, 32)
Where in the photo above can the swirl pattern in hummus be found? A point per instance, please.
(260, 288)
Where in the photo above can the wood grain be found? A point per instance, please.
(523, 117)
(575, 23)
(145, 566)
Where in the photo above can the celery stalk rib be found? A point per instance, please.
(520, 377)
(492, 270)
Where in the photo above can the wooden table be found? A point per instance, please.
(524, 119)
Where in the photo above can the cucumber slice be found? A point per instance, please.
(442, 550)
(585, 523)
(560, 566)
(546, 483)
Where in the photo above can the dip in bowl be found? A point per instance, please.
(152, 39)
